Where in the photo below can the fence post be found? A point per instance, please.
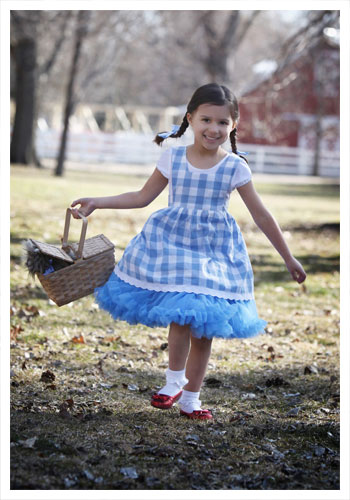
(260, 160)
(302, 156)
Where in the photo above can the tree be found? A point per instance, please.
(221, 43)
(81, 31)
(28, 29)
(24, 49)
(209, 37)
(306, 43)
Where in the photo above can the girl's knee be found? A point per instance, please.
(202, 342)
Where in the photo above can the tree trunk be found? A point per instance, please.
(70, 100)
(318, 140)
(22, 136)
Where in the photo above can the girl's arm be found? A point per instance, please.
(269, 226)
(135, 199)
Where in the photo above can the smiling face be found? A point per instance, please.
(211, 125)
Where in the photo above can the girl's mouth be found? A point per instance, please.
(210, 139)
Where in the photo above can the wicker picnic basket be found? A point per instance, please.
(90, 267)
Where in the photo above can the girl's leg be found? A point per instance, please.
(178, 345)
(197, 363)
(196, 367)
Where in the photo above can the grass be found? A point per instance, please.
(88, 423)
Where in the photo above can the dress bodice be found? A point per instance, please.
(202, 189)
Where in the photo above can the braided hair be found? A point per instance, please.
(233, 140)
(184, 124)
(211, 93)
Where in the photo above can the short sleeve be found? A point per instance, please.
(164, 163)
(242, 174)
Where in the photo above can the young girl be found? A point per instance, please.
(189, 267)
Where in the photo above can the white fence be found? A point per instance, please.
(135, 148)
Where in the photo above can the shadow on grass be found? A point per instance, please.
(250, 444)
(266, 269)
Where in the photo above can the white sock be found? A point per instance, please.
(189, 401)
(175, 380)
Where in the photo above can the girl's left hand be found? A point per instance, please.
(296, 270)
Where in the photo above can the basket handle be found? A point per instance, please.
(79, 252)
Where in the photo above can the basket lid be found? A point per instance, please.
(52, 251)
(94, 246)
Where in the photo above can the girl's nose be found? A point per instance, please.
(213, 129)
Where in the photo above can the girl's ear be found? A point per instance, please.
(189, 118)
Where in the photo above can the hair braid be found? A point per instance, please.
(233, 139)
(184, 124)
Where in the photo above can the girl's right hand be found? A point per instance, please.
(87, 206)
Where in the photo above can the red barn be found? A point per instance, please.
(298, 105)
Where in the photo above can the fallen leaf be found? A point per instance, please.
(276, 381)
(64, 407)
(240, 415)
(249, 395)
(212, 382)
(47, 376)
(133, 387)
(78, 340)
(129, 472)
(291, 395)
(99, 366)
(293, 412)
(319, 451)
(28, 443)
(70, 481)
(310, 369)
(88, 475)
(14, 331)
(53, 387)
(112, 338)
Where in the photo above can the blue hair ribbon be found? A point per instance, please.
(241, 152)
(174, 130)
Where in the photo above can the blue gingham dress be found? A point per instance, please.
(189, 264)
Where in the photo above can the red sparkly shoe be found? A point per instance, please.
(198, 414)
(163, 401)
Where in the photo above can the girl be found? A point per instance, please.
(189, 267)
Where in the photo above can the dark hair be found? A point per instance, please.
(211, 93)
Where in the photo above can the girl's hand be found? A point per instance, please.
(296, 270)
(87, 206)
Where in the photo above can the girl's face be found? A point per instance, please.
(211, 125)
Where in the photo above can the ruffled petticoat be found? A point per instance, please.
(208, 316)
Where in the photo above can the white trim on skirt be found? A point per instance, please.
(164, 287)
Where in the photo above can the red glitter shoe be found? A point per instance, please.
(163, 401)
(198, 414)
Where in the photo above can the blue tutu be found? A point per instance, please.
(208, 316)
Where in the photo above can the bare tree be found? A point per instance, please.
(223, 41)
(307, 44)
(81, 31)
(28, 30)
(24, 50)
